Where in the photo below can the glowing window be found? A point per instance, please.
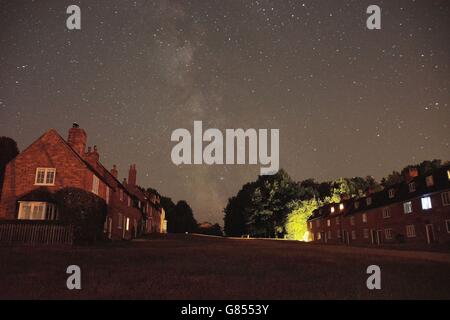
(341, 206)
(426, 203)
(332, 209)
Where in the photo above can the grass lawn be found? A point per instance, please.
(196, 267)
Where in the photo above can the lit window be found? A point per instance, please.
(352, 221)
(366, 233)
(407, 207)
(391, 193)
(107, 195)
(429, 181)
(33, 210)
(319, 236)
(388, 234)
(410, 231)
(127, 227)
(353, 234)
(386, 213)
(364, 218)
(412, 186)
(448, 174)
(45, 176)
(445, 198)
(95, 183)
(332, 209)
(341, 206)
(328, 222)
(369, 201)
(356, 204)
(426, 203)
(447, 224)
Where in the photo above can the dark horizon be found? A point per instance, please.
(348, 101)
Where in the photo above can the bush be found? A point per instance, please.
(85, 211)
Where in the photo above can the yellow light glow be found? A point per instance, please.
(341, 206)
(332, 209)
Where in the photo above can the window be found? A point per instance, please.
(407, 207)
(364, 217)
(127, 226)
(391, 193)
(447, 225)
(426, 203)
(388, 234)
(353, 234)
(448, 174)
(386, 213)
(45, 176)
(332, 209)
(410, 231)
(328, 222)
(338, 233)
(95, 183)
(429, 181)
(369, 201)
(352, 221)
(121, 194)
(356, 204)
(319, 236)
(366, 233)
(107, 195)
(120, 222)
(33, 210)
(338, 221)
(329, 234)
(412, 186)
(341, 206)
(445, 198)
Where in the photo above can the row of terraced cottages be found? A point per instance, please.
(415, 211)
(50, 164)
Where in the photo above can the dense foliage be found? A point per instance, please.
(180, 217)
(8, 151)
(85, 211)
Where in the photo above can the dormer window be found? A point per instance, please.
(332, 210)
(369, 201)
(391, 193)
(412, 186)
(341, 207)
(429, 181)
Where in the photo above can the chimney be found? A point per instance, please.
(114, 171)
(411, 173)
(132, 175)
(92, 156)
(77, 138)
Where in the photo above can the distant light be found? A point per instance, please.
(426, 203)
(332, 209)
(341, 206)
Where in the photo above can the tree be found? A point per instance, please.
(185, 217)
(296, 228)
(8, 151)
(85, 211)
(235, 219)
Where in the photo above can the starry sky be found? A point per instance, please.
(348, 101)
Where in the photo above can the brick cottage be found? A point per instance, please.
(51, 163)
(416, 211)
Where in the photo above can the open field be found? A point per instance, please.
(196, 267)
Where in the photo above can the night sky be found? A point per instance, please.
(348, 101)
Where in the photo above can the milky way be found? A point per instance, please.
(348, 101)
